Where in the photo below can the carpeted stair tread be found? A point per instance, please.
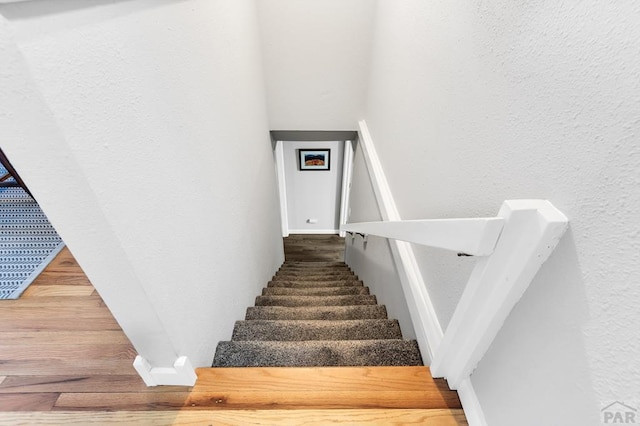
(303, 272)
(315, 300)
(285, 330)
(336, 267)
(313, 264)
(307, 284)
(315, 277)
(295, 269)
(316, 312)
(314, 291)
(317, 353)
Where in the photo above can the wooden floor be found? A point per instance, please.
(314, 248)
(65, 360)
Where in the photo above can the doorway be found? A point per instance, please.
(313, 200)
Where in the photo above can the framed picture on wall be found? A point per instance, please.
(314, 159)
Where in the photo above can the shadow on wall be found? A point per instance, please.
(34, 9)
(540, 352)
(373, 263)
(445, 275)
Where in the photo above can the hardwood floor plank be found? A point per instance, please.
(126, 401)
(325, 248)
(57, 290)
(64, 262)
(62, 270)
(326, 400)
(52, 301)
(66, 367)
(27, 401)
(52, 277)
(77, 384)
(243, 417)
(31, 351)
(57, 323)
(254, 400)
(316, 378)
(58, 337)
(7, 313)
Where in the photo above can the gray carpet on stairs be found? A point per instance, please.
(360, 299)
(315, 291)
(294, 330)
(316, 314)
(291, 283)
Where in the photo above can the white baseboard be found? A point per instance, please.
(423, 315)
(313, 231)
(181, 374)
(429, 332)
(472, 409)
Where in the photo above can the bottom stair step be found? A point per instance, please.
(322, 388)
(317, 353)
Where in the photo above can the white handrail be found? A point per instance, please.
(515, 244)
(476, 237)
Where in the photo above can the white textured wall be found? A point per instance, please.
(316, 56)
(313, 194)
(157, 107)
(373, 262)
(472, 103)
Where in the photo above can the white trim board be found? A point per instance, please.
(278, 155)
(472, 409)
(428, 330)
(347, 171)
(314, 231)
(425, 322)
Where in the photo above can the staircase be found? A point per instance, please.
(317, 349)
(316, 314)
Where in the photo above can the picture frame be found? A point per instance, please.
(314, 159)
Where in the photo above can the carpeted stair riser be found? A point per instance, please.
(314, 284)
(316, 330)
(316, 312)
(315, 300)
(313, 291)
(313, 353)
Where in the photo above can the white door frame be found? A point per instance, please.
(278, 154)
(347, 169)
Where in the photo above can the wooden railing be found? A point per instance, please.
(511, 248)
